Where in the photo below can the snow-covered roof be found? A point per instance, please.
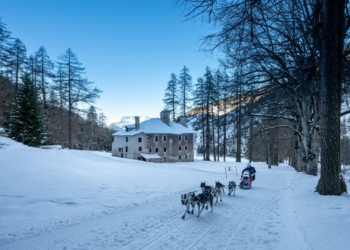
(150, 156)
(157, 126)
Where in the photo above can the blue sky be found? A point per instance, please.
(128, 48)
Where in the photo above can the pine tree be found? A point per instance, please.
(26, 123)
(171, 99)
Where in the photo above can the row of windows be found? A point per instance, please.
(164, 138)
(156, 138)
(150, 150)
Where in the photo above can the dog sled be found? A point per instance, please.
(246, 180)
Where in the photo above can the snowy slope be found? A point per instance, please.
(67, 199)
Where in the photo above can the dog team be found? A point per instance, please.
(207, 197)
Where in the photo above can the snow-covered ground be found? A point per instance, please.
(67, 199)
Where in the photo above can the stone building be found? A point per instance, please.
(155, 140)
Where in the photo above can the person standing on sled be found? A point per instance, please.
(251, 171)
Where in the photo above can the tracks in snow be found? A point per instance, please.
(253, 219)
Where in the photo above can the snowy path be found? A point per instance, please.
(260, 218)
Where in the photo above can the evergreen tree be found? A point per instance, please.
(185, 89)
(26, 123)
(171, 99)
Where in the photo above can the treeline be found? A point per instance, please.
(61, 88)
(237, 117)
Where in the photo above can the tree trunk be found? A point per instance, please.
(331, 78)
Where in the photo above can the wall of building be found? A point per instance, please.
(172, 148)
(177, 149)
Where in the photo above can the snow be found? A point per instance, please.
(51, 147)
(157, 126)
(150, 156)
(69, 199)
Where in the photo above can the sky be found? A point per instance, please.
(128, 48)
(75, 199)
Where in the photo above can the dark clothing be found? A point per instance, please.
(251, 171)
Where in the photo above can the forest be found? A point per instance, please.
(42, 100)
(287, 63)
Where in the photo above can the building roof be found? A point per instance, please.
(157, 126)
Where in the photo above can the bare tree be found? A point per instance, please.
(76, 89)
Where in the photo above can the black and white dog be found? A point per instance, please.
(188, 201)
(202, 200)
(232, 188)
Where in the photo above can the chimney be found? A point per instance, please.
(165, 117)
(183, 120)
(137, 122)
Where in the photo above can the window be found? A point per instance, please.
(164, 150)
(126, 149)
(179, 157)
(156, 150)
(185, 156)
(140, 139)
(140, 148)
(156, 139)
(120, 149)
(180, 148)
(185, 137)
(126, 139)
(150, 150)
(179, 137)
(185, 147)
(164, 138)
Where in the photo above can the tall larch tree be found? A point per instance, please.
(4, 43)
(198, 122)
(171, 100)
(185, 89)
(17, 60)
(76, 89)
(45, 72)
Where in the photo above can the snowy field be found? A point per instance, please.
(68, 199)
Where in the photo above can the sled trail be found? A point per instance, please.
(235, 223)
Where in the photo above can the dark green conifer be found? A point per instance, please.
(26, 121)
